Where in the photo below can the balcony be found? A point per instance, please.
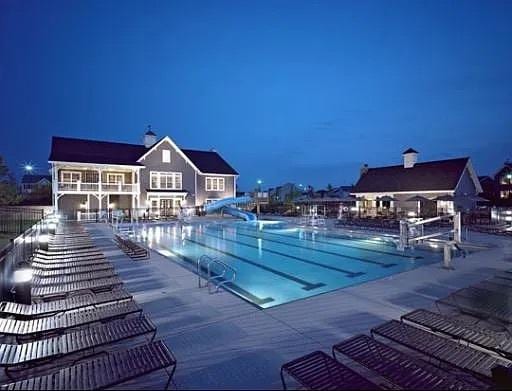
(77, 187)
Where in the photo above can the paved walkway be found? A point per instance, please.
(222, 342)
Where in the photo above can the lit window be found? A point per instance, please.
(115, 178)
(166, 156)
(166, 180)
(214, 184)
(70, 176)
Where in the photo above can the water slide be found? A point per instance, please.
(224, 205)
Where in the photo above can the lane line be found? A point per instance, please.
(306, 285)
(348, 273)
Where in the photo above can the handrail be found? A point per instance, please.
(226, 267)
(208, 261)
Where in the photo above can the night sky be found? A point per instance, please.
(302, 91)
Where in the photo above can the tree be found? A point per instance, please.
(329, 187)
(8, 192)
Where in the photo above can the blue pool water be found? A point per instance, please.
(276, 264)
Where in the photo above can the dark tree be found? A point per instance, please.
(8, 192)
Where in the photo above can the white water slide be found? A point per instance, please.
(225, 205)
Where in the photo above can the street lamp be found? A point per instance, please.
(28, 167)
(258, 190)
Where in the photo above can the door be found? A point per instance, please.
(166, 207)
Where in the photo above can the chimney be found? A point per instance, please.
(364, 169)
(149, 138)
(410, 158)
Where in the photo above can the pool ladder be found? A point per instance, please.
(216, 280)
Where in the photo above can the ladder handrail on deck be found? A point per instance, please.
(208, 262)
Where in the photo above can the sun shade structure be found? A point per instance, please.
(386, 198)
(445, 197)
(418, 198)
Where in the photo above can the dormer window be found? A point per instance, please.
(166, 156)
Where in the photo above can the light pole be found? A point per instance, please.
(258, 190)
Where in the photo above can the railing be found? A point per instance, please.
(412, 232)
(226, 274)
(106, 187)
(17, 254)
(14, 221)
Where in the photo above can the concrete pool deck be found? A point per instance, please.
(223, 342)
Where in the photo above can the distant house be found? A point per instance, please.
(284, 193)
(29, 182)
(503, 181)
(412, 188)
(498, 188)
(155, 177)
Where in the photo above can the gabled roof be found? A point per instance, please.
(410, 150)
(436, 175)
(209, 162)
(75, 150)
(34, 178)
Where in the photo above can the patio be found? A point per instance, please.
(222, 342)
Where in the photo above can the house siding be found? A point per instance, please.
(203, 195)
(153, 162)
(465, 187)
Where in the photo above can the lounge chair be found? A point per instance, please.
(442, 349)
(29, 353)
(41, 273)
(62, 264)
(78, 255)
(106, 371)
(499, 342)
(68, 279)
(399, 368)
(132, 249)
(37, 328)
(49, 308)
(319, 371)
(61, 291)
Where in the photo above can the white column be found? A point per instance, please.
(100, 195)
(55, 187)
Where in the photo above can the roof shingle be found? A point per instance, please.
(429, 176)
(75, 150)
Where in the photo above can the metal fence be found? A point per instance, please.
(16, 255)
(14, 221)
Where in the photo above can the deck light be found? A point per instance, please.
(22, 275)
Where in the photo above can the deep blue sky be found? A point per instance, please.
(301, 91)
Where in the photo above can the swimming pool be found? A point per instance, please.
(275, 263)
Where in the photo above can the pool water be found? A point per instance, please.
(275, 263)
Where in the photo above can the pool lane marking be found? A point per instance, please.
(345, 245)
(382, 264)
(348, 273)
(237, 289)
(307, 286)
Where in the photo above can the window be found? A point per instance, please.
(506, 178)
(506, 194)
(115, 178)
(166, 180)
(166, 156)
(214, 184)
(70, 176)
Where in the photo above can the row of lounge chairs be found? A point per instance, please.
(132, 249)
(381, 225)
(79, 310)
(468, 355)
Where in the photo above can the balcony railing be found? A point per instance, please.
(105, 187)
